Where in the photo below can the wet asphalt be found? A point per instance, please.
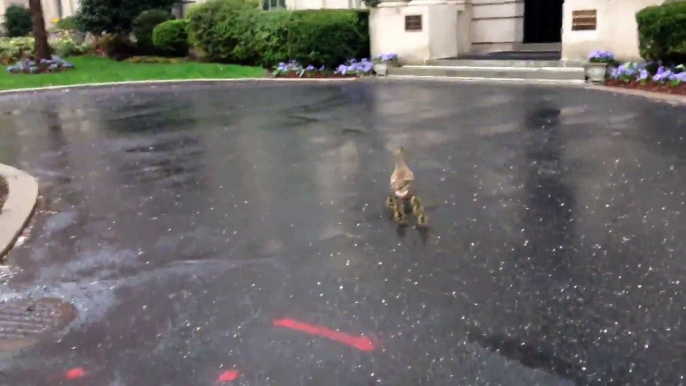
(183, 221)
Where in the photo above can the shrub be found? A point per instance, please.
(65, 45)
(153, 59)
(170, 38)
(117, 46)
(229, 31)
(68, 23)
(217, 26)
(328, 37)
(17, 21)
(265, 43)
(144, 24)
(662, 32)
(114, 16)
(14, 49)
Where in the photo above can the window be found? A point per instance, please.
(179, 8)
(60, 12)
(273, 4)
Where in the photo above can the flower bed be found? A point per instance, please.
(639, 76)
(652, 87)
(30, 66)
(351, 69)
(601, 57)
(389, 58)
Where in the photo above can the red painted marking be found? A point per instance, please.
(228, 376)
(75, 373)
(359, 342)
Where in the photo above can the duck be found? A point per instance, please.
(402, 177)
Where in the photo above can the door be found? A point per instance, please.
(543, 21)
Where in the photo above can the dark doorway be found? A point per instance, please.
(543, 21)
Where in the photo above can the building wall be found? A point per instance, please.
(314, 4)
(497, 24)
(616, 29)
(323, 4)
(70, 7)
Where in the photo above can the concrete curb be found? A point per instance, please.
(171, 81)
(19, 206)
(506, 81)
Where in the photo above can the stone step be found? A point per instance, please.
(534, 74)
(502, 63)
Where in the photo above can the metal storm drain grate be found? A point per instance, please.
(24, 322)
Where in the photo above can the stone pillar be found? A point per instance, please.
(616, 31)
(438, 37)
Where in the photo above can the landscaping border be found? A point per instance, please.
(655, 96)
(19, 206)
(172, 81)
(672, 99)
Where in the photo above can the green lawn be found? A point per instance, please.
(90, 69)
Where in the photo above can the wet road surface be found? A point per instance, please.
(236, 234)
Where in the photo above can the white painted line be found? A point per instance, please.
(499, 68)
(168, 81)
(19, 206)
(490, 80)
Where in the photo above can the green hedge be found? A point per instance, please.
(17, 21)
(144, 24)
(238, 31)
(328, 37)
(171, 38)
(217, 26)
(662, 32)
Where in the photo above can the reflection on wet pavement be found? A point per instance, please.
(237, 234)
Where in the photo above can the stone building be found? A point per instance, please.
(421, 30)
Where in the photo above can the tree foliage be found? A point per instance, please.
(17, 21)
(114, 16)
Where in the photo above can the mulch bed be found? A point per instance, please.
(652, 87)
(315, 76)
(41, 70)
(3, 192)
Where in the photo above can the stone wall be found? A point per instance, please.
(497, 24)
(616, 31)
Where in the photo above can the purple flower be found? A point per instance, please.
(310, 68)
(601, 57)
(678, 78)
(385, 57)
(644, 74)
(342, 69)
(662, 75)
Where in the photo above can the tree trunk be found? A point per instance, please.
(39, 32)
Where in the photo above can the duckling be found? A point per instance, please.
(402, 177)
(416, 203)
(399, 216)
(422, 218)
(390, 203)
